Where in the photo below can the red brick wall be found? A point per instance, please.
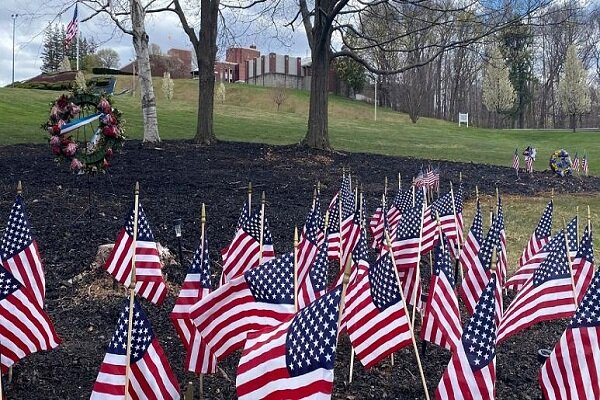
(240, 55)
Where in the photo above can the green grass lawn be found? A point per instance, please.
(250, 115)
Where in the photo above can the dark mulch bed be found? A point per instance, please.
(174, 181)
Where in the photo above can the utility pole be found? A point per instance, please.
(14, 18)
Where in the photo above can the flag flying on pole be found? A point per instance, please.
(72, 28)
(196, 285)
(583, 264)
(19, 253)
(518, 280)
(243, 252)
(501, 247)
(471, 373)
(149, 282)
(547, 295)
(242, 219)
(378, 324)
(478, 275)
(473, 242)
(295, 359)
(359, 267)
(571, 372)
(529, 164)
(402, 202)
(515, 163)
(313, 284)
(379, 224)
(150, 375)
(26, 328)
(333, 229)
(260, 298)
(441, 318)
(540, 236)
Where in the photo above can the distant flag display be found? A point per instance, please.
(515, 163)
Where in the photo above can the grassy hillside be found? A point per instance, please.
(249, 114)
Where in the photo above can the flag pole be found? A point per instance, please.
(249, 198)
(202, 236)
(410, 325)
(385, 185)
(340, 251)
(262, 226)
(589, 219)
(10, 369)
(566, 233)
(459, 245)
(352, 353)
(132, 283)
(296, 268)
(577, 222)
(399, 181)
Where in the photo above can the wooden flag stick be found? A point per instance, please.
(459, 244)
(399, 181)
(497, 200)
(476, 192)
(262, 226)
(296, 268)
(132, 283)
(410, 325)
(413, 194)
(189, 391)
(10, 369)
(202, 237)
(314, 199)
(589, 219)
(566, 233)
(552, 195)
(249, 198)
(340, 228)
(385, 185)
(19, 187)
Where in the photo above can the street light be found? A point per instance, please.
(14, 18)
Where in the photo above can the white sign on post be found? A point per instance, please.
(463, 118)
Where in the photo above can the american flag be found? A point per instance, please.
(576, 163)
(529, 164)
(351, 229)
(19, 253)
(448, 221)
(260, 298)
(378, 323)
(402, 202)
(26, 328)
(515, 163)
(313, 284)
(149, 280)
(518, 280)
(294, 359)
(441, 318)
(471, 373)
(547, 295)
(72, 28)
(242, 219)
(571, 372)
(378, 225)
(196, 285)
(243, 251)
(311, 242)
(478, 275)
(333, 229)
(584, 164)
(150, 376)
(359, 267)
(502, 256)
(405, 248)
(583, 264)
(541, 235)
(456, 238)
(473, 243)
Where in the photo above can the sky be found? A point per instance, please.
(164, 29)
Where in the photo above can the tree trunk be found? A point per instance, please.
(573, 122)
(317, 135)
(140, 44)
(206, 55)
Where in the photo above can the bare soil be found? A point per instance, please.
(74, 214)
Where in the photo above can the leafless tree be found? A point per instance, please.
(279, 94)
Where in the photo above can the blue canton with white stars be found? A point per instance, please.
(555, 266)
(252, 226)
(273, 281)
(201, 265)
(557, 238)
(491, 240)
(244, 216)
(458, 199)
(144, 232)
(361, 250)
(334, 217)
(409, 226)
(588, 312)
(141, 333)
(384, 284)
(477, 227)
(544, 227)
(442, 206)
(443, 263)
(8, 283)
(267, 238)
(17, 235)
(479, 335)
(312, 336)
(586, 248)
(318, 271)
(312, 227)
(403, 200)
(347, 198)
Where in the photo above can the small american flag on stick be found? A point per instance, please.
(516, 161)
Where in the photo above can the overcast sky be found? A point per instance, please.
(165, 31)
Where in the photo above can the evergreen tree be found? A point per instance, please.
(573, 88)
(54, 50)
